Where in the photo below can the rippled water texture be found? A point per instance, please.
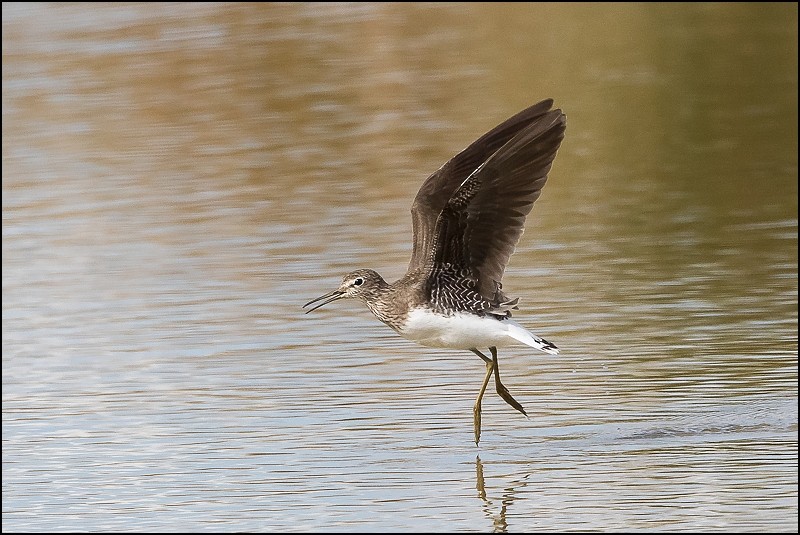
(179, 179)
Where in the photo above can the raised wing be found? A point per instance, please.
(480, 222)
(440, 186)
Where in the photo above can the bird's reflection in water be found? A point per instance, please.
(498, 518)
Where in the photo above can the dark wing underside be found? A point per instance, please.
(470, 214)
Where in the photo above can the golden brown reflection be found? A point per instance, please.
(179, 178)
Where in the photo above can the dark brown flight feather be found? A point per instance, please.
(469, 215)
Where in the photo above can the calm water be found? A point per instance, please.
(179, 179)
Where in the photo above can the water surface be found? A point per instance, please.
(179, 179)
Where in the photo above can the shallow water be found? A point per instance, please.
(179, 179)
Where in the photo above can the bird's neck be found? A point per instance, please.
(382, 301)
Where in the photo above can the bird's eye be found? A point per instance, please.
(358, 282)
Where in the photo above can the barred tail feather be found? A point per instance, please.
(519, 333)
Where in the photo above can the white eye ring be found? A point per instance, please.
(358, 282)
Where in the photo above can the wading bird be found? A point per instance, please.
(467, 219)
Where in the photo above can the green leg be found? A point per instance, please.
(501, 389)
(476, 410)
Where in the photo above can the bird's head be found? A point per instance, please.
(362, 283)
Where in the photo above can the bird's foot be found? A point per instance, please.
(508, 398)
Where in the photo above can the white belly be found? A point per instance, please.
(465, 331)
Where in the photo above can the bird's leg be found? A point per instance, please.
(501, 389)
(476, 410)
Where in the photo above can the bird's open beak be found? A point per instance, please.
(328, 298)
